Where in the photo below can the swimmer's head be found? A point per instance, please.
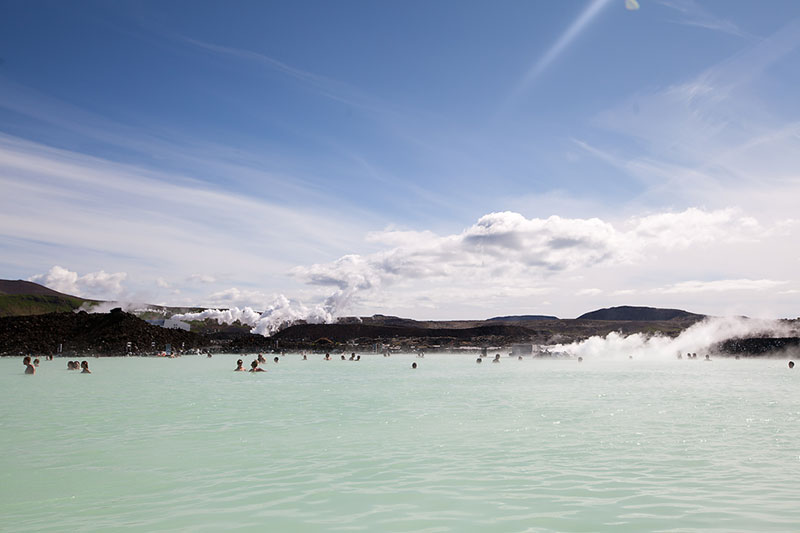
(580, 359)
(791, 364)
(413, 365)
(276, 359)
(254, 363)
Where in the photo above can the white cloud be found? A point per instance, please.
(201, 278)
(99, 284)
(155, 224)
(590, 292)
(723, 285)
(235, 297)
(696, 15)
(506, 253)
(695, 226)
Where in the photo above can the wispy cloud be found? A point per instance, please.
(712, 139)
(695, 14)
(722, 285)
(573, 31)
(157, 224)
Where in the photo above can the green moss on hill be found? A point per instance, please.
(36, 304)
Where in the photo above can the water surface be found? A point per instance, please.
(188, 445)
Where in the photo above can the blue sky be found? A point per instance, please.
(425, 159)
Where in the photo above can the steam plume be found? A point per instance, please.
(698, 338)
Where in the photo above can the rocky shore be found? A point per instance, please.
(89, 333)
(120, 333)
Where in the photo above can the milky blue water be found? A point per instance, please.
(188, 445)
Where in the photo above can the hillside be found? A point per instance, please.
(24, 298)
(641, 314)
(520, 318)
(88, 333)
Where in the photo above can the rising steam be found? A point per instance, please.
(698, 338)
(281, 313)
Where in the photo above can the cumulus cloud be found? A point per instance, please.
(694, 226)
(508, 249)
(98, 284)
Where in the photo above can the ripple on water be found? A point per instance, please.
(188, 445)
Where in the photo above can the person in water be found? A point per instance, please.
(305, 358)
(791, 364)
(36, 362)
(261, 359)
(255, 368)
(496, 358)
(327, 357)
(708, 357)
(239, 366)
(580, 359)
(85, 367)
(275, 360)
(479, 360)
(29, 368)
(343, 357)
(414, 365)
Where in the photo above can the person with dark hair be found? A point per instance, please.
(791, 364)
(414, 365)
(85, 367)
(29, 368)
(255, 368)
(239, 366)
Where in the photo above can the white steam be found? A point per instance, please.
(698, 338)
(281, 313)
(128, 307)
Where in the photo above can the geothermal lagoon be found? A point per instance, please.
(609, 444)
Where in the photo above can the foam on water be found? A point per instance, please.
(604, 445)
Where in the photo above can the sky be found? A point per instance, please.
(432, 160)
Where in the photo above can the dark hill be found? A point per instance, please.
(101, 333)
(521, 318)
(348, 332)
(641, 314)
(19, 298)
(19, 286)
